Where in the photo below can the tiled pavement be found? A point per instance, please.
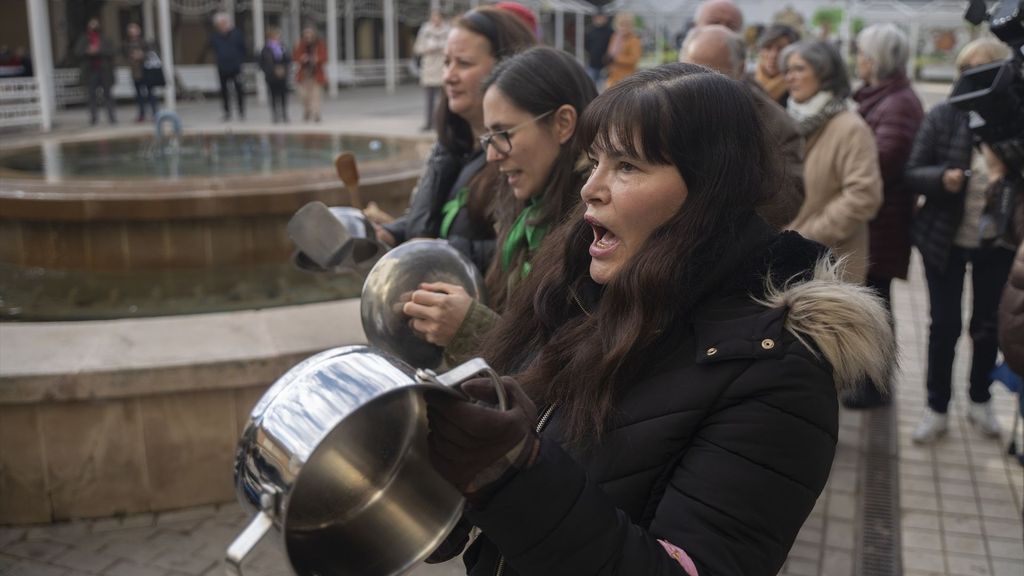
(960, 500)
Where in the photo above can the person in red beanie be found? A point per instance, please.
(524, 13)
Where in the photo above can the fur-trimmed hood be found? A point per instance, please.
(847, 324)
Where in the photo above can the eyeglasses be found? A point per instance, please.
(502, 139)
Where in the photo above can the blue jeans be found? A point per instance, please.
(144, 96)
(990, 268)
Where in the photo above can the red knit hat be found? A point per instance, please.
(524, 13)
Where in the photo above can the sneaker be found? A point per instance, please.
(980, 414)
(932, 426)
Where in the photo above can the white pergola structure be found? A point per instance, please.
(156, 23)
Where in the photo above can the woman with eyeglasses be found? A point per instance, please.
(674, 403)
(454, 194)
(531, 106)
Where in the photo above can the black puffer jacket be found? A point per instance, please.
(943, 142)
(721, 450)
(437, 186)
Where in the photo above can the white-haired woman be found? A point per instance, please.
(892, 110)
(842, 185)
(952, 177)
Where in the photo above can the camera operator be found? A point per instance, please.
(958, 223)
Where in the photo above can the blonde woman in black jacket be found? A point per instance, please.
(676, 360)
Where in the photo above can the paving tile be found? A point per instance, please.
(84, 560)
(955, 505)
(837, 562)
(993, 509)
(961, 524)
(10, 534)
(842, 505)
(33, 568)
(7, 561)
(1007, 568)
(967, 565)
(840, 534)
(40, 550)
(922, 539)
(958, 543)
(798, 567)
(956, 489)
(923, 560)
(183, 562)
(1006, 548)
(922, 502)
(127, 568)
(920, 519)
(998, 527)
(955, 473)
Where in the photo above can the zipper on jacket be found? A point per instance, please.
(540, 426)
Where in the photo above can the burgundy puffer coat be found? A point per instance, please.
(1011, 316)
(894, 113)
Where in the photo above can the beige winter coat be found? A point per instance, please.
(429, 47)
(843, 190)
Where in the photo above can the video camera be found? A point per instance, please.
(993, 94)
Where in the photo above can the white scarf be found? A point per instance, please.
(800, 111)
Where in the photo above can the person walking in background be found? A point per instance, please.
(229, 48)
(310, 54)
(429, 47)
(135, 50)
(274, 61)
(949, 230)
(721, 49)
(596, 43)
(95, 53)
(624, 49)
(767, 73)
(842, 182)
(893, 112)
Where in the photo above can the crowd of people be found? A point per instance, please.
(686, 275)
(686, 272)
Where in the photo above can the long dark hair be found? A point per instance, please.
(538, 81)
(506, 35)
(580, 350)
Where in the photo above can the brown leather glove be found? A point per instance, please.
(476, 446)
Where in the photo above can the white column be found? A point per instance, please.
(332, 48)
(258, 38)
(915, 36)
(295, 25)
(350, 37)
(42, 59)
(579, 39)
(148, 28)
(167, 53)
(389, 46)
(559, 29)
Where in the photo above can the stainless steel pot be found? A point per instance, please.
(335, 457)
(388, 286)
(333, 239)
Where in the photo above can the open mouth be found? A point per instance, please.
(604, 239)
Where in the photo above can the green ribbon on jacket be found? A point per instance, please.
(523, 232)
(451, 209)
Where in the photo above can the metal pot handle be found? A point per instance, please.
(465, 371)
(253, 533)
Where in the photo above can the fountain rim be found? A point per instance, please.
(30, 196)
